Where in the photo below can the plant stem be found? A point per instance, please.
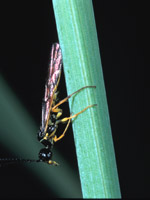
(82, 66)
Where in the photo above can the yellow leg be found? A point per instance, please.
(47, 136)
(73, 116)
(65, 99)
(58, 111)
(62, 135)
(69, 119)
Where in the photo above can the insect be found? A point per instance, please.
(51, 112)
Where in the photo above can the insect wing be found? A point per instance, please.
(43, 115)
(54, 72)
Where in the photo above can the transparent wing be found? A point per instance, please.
(54, 72)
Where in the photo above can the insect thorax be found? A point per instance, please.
(46, 138)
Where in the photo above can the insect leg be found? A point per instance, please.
(58, 111)
(65, 99)
(75, 115)
(69, 119)
(63, 134)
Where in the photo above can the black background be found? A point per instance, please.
(27, 32)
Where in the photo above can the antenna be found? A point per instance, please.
(7, 161)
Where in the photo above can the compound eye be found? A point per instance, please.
(45, 154)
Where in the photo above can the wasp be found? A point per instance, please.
(51, 112)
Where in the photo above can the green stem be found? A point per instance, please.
(82, 66)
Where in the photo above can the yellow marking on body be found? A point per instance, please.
(45, 137)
